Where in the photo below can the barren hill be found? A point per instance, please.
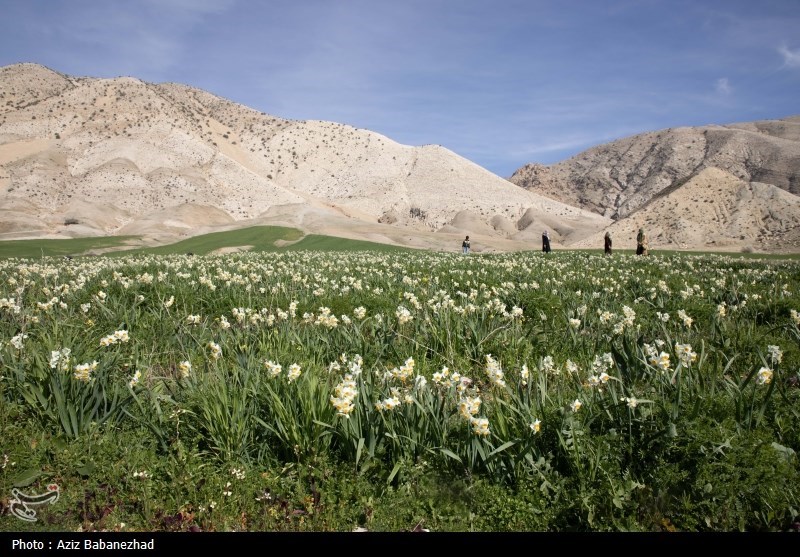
(85, 156)
(716, 177)
(82, 156)
(714, 210)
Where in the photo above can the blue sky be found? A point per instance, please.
(500, 82)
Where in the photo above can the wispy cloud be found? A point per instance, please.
(791, 58)
(723, 86)
(555, 144)
(559, 142)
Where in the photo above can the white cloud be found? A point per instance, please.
(723, 86)
(557, 140)
(791, 58)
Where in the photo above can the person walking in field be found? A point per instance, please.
(545, 242)
(607, 245)
(465, 245)
(641, 243)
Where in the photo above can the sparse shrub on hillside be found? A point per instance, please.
(417, 213)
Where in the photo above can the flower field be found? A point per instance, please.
(333, 391)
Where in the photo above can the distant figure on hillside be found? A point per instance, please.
(545, 242)
(641, 243)
(607, 245)
(465, 245)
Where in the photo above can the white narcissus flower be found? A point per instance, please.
(480, 426)
(403, 315)
(185, 368)
(775, 354)
(135, 379)
(294, 372)
(16, 341)
(83, 372)
(216, 351)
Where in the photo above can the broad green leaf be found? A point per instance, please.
(87, 469)
(395, 470)
(502, 447)
(451, 454)
(27, 477)
(59, 444)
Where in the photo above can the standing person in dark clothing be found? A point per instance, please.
(545, 242)
(465, 245)
(607, 246)
(641, 243)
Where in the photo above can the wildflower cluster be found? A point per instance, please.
(59, 359)
(17, 341)
(403, 315)
(656, 357)
(686, 356)
(495, 371)
(114, 338)
(404, 372)
(344, 395)
(216, 350)
(346, 391)
(185, 368)
(83, 372)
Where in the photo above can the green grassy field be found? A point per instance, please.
(256, 239)
(55, 248)
(260, 239)
(315, 242)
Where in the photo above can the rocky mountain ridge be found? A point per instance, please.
(627, 179)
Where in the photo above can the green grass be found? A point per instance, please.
(260, 238)
(315, 242)
(56, 248)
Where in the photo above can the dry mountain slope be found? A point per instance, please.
(717, 210)
(624, 178)
(87, 156)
